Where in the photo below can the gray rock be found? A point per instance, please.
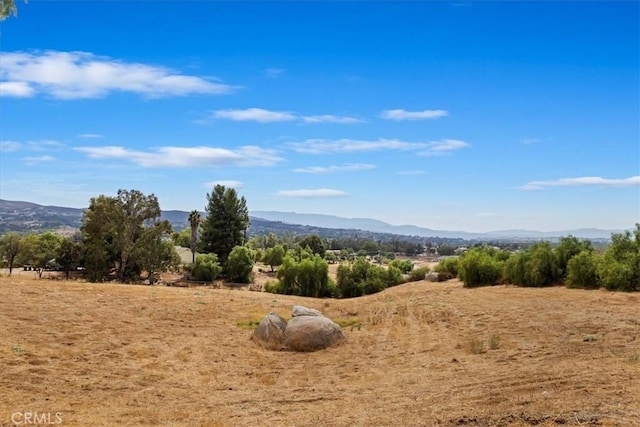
(311, 333)
(431, 277)
(299, 310)
(270, 332)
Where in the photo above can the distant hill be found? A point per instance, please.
(30, 217)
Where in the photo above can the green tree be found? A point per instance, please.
(478, 268)
(308, 277)
(69, 255)
(569, 247)
(240, 264)
(535, 267)
(183, 238)
(159, 254)
(619, 267)
(206, 268)
(122, 230)
(315, 244)
(448, 265)
(10, 246)
(581, 271)
(40, 250)
(195, 218)
(225, 224)
(7, 8)
(274, 256)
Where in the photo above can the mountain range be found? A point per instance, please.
(26, 216)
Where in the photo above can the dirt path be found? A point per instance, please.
(104, 355)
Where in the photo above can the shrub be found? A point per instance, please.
(619, 268)
(534, 267)
(581, 271)
(405, 266)
(448, 265)
(308, 277)
(206, 268)
(240, 264)
(478, 268)
(418, 274)
(363, 278)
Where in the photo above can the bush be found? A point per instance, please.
(448, 265)
(534, 267)
(206, 268)
(308, 277)
(363, 278)
(240, 264)
(405, 266)
(581, 271)
(619, 268)
(418, 274)
(478, 268)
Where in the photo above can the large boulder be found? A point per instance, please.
(299, 310)
(311, 333)
(270, 332)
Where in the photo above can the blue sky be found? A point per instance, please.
(472, 116)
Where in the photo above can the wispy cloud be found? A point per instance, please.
(45, 145)
(182, 157)
(225, 183)
(347, 167)
(76, 75)
(312, 193)
(583, 181)
(262, 115)
(39, 159)
(413, 115)
(442, 147)
(327, 118)
(325, 146)
(254, 115)
(90, 136)
(274, 72)
(10, 146)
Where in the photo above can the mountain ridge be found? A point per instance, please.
(29, 216)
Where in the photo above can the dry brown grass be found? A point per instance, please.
(108, 354)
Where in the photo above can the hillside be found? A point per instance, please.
(416, 354)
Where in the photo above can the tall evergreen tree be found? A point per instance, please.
(225, 224)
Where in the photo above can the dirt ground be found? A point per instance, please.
(417, 354)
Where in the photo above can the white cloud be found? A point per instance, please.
(33, 160)
(442, 147)
(347, 167)
(254, 115)
(345, 145)
(528, 141)
(274, 72)
(16, 89)
(225, 183)
(582, 181)
(413, 115)
(75, 75)
(182, 157)
(90, 136)
(311, 194)
(45, 145)
(9, 146)
(325, 146)
(327, 118)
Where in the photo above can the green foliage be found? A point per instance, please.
(118, 231)
(446, 250)
(479, 268)
(405, 266)
(225, 224)
(619, 268)
(195, 218)
(331, 257)
(206, 268)
(8, 8)
(363, 278)
(418, 274)
(40, 250)
(535, 267)
(9, 247)
(240, 264)
(315, 244)
(448, 265)
(569, 247)
(307, 277)
(159, 255)
(581, 271)
(182, 238)
(274, 256)
(69, 255)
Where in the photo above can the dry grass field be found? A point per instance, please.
(417, 354)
